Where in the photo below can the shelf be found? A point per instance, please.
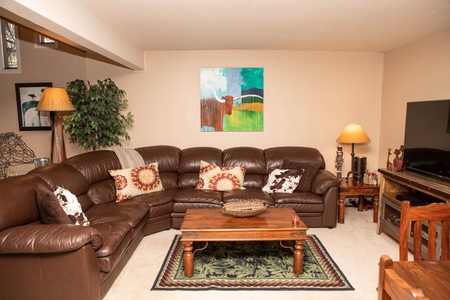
(395, 183)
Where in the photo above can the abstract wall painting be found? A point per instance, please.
(232, 99)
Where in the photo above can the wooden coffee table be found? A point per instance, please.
(211, 225)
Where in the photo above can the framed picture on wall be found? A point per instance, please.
(28, 96)
(231, 99)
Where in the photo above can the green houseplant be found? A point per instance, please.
(97, 121)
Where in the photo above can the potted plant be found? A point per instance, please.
(97, 120)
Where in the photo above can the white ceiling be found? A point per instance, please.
(354, 25)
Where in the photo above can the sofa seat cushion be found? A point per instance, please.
(191, 195)
(192, 198)
(300, 201)
(112, 235)
(158, 203)
(116, 212)
(180, 208)
(108, 262)
(114, 221)
(248, 194)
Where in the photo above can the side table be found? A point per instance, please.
(357, 188)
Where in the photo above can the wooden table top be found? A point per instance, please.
(354, 184)
(432, 277)
(213, 225)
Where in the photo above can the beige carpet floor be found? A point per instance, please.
(355, 247)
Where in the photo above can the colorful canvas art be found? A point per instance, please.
(232, 99)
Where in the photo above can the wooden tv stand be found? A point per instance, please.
(406, 182)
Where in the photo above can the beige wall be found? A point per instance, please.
(39, 64)
(309, 97)
(416, 72)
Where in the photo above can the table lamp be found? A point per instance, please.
(353, 134)
(56, 100)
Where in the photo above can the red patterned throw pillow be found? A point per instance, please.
(217, 178)
(136, 181)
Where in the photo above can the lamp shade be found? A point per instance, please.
(55, 99)
(353, 133)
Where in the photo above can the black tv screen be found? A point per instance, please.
(427, 138)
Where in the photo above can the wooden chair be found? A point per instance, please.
(394, 287)
(414, 217)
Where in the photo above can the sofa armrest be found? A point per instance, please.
(48, 238)
(323, 181)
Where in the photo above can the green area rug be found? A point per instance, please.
(250, 266)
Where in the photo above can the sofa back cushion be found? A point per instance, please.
(94, 166)
(66, 176)
(309, 159)
(277, 155)
(167, 158)
(189, 166)
(18, 201)
(254, 161)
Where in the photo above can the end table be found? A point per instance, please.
(357, 188)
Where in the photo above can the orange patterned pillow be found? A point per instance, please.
(136, 181)
(217, 178)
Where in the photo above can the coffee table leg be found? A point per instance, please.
(298, 257)
(188, 259)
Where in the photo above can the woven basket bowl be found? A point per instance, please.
(243, 209)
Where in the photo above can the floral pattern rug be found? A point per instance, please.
(250, 266)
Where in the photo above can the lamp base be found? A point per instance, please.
(359, 167)
(57, 138)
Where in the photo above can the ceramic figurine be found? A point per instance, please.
(398, 160)
(389, 165)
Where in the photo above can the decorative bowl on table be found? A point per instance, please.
(243, 209)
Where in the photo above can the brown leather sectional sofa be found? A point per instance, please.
(61, 261)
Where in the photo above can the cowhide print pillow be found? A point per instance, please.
(71, 206)
(283, 181)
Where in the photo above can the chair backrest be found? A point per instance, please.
(415, 219)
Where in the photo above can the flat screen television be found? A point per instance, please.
(427, 138)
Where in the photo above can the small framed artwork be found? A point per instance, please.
(28, 96)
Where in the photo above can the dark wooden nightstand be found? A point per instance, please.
(357, 188)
